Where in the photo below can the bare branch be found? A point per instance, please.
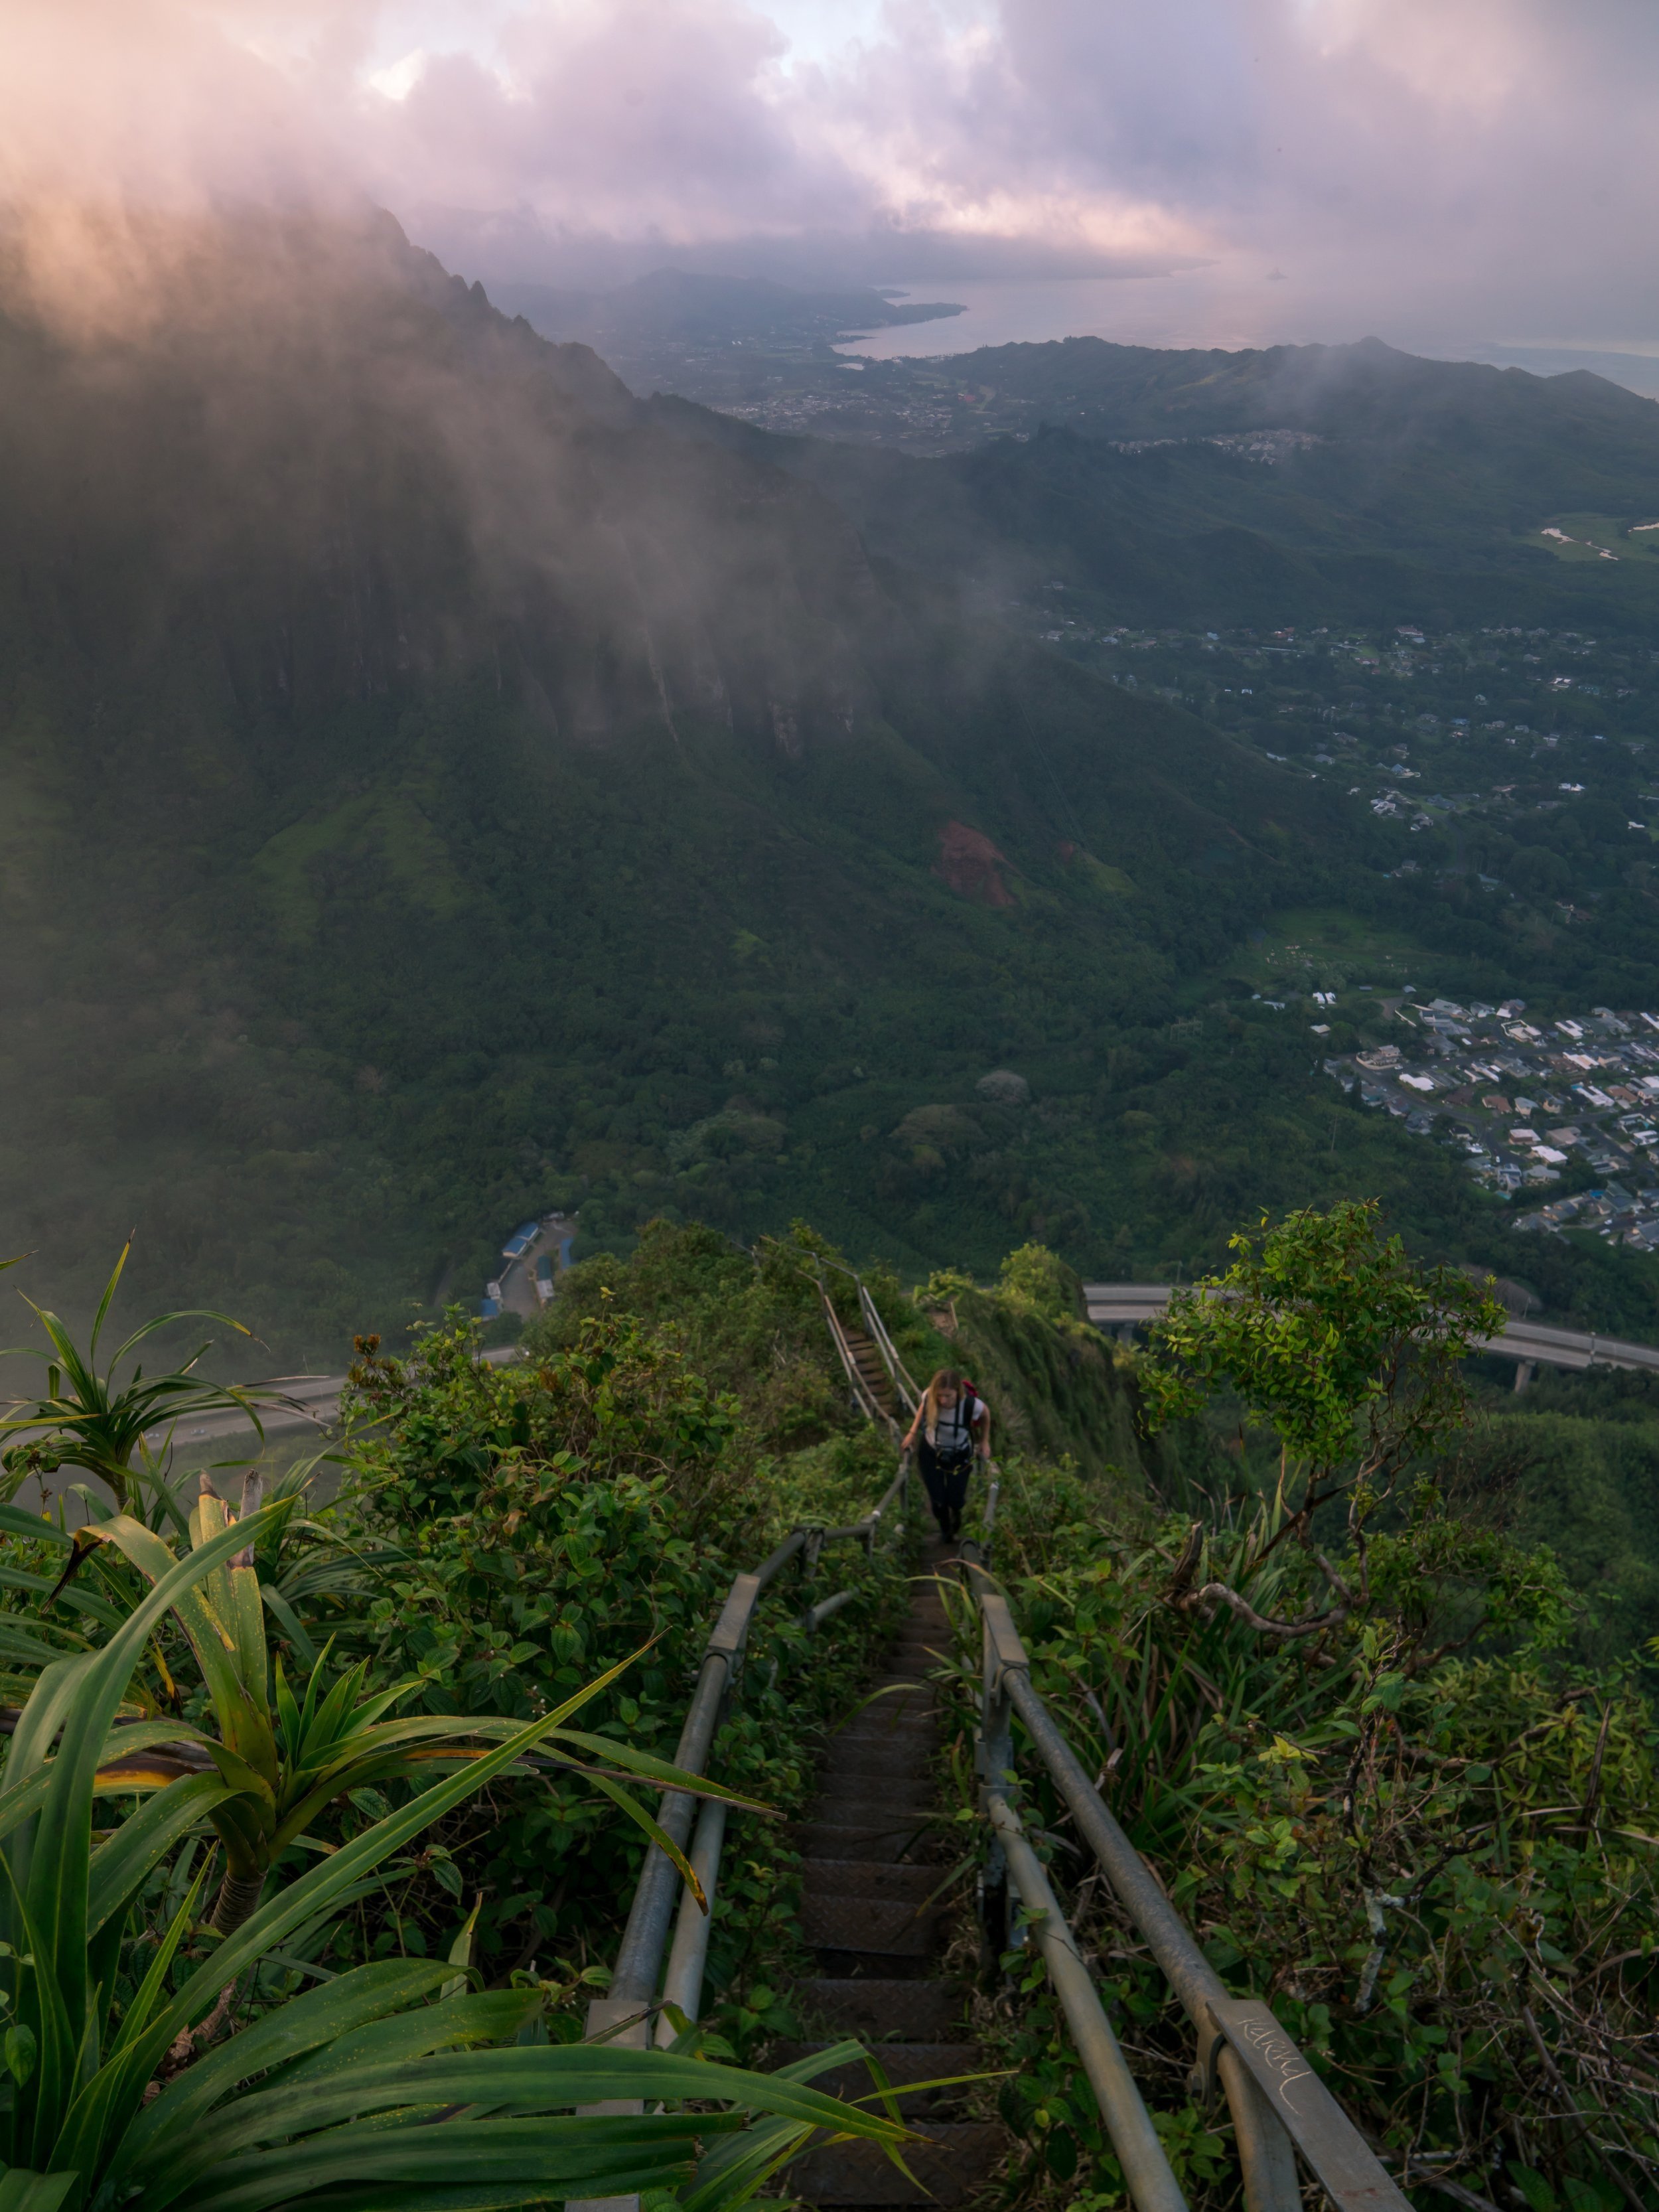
(1214, 1594)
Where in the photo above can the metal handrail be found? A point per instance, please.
(1275, 2097)
(639, 1958)
(866, 1405)
(904, 1383)
(623, 2014)
(906, 1388)
(1145, 2168)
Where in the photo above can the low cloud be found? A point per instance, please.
(1486, 164)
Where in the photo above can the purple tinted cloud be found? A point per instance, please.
(1488, 161)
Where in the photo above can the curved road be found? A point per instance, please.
(1529, 1343)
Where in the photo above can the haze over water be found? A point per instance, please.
(1235, 302)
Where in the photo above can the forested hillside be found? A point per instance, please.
(437, 788)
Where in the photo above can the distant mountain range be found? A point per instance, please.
(436, 786)
(1364, 390)
(673, 305)
(1305, 483)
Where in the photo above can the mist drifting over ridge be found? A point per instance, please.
(1481, 169)
(411, 744)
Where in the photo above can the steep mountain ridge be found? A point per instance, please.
(1302, 485)
(434, 786)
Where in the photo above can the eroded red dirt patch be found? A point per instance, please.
(968, 862)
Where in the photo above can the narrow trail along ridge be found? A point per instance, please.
(871, 1866)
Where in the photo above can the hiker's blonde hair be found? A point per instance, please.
(948, 1378)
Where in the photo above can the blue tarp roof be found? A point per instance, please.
(520, 1238)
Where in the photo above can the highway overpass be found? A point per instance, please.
(1529, 1343)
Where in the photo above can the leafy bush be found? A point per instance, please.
(1375, 1783)
(525, 1527)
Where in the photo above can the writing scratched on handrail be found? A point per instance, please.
(1353, 2178)
(1278, 2052)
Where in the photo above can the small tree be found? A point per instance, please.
(1332, 1335)
(1036, 1277)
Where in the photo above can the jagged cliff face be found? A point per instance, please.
(323, 472)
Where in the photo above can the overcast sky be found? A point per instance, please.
(1449, 170)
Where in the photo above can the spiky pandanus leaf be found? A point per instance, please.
(356, 2095)
(91, 1420)
(283, 1759)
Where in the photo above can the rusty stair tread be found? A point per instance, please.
(863, 1781)
(953, 2160)
(879, 1841)
(908, 1731)
(885, 1793)
(877, 1816)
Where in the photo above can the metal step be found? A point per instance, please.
(880, 1814)
(911, 1752)
(875, 2006)
(836, 1965)
(952, 2163)
(859, 1784)
(915, 1734)
(870, 1878)
(872, 1926)
(901, 1706)
(872, 1369)
(876, 1838)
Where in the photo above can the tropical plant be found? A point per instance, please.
(90, 1420)
(357, 2095)
(1351, 1353)
(283, 1759)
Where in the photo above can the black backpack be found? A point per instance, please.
(965, 1450)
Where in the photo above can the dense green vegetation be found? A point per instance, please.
(118, 1987)
(1422, 1825)
(1368, 1766)
(330, 1773)
(502, 1536)
(437, 789)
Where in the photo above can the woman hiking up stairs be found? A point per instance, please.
(867, 1875)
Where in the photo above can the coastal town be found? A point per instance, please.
(1569, 1103)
